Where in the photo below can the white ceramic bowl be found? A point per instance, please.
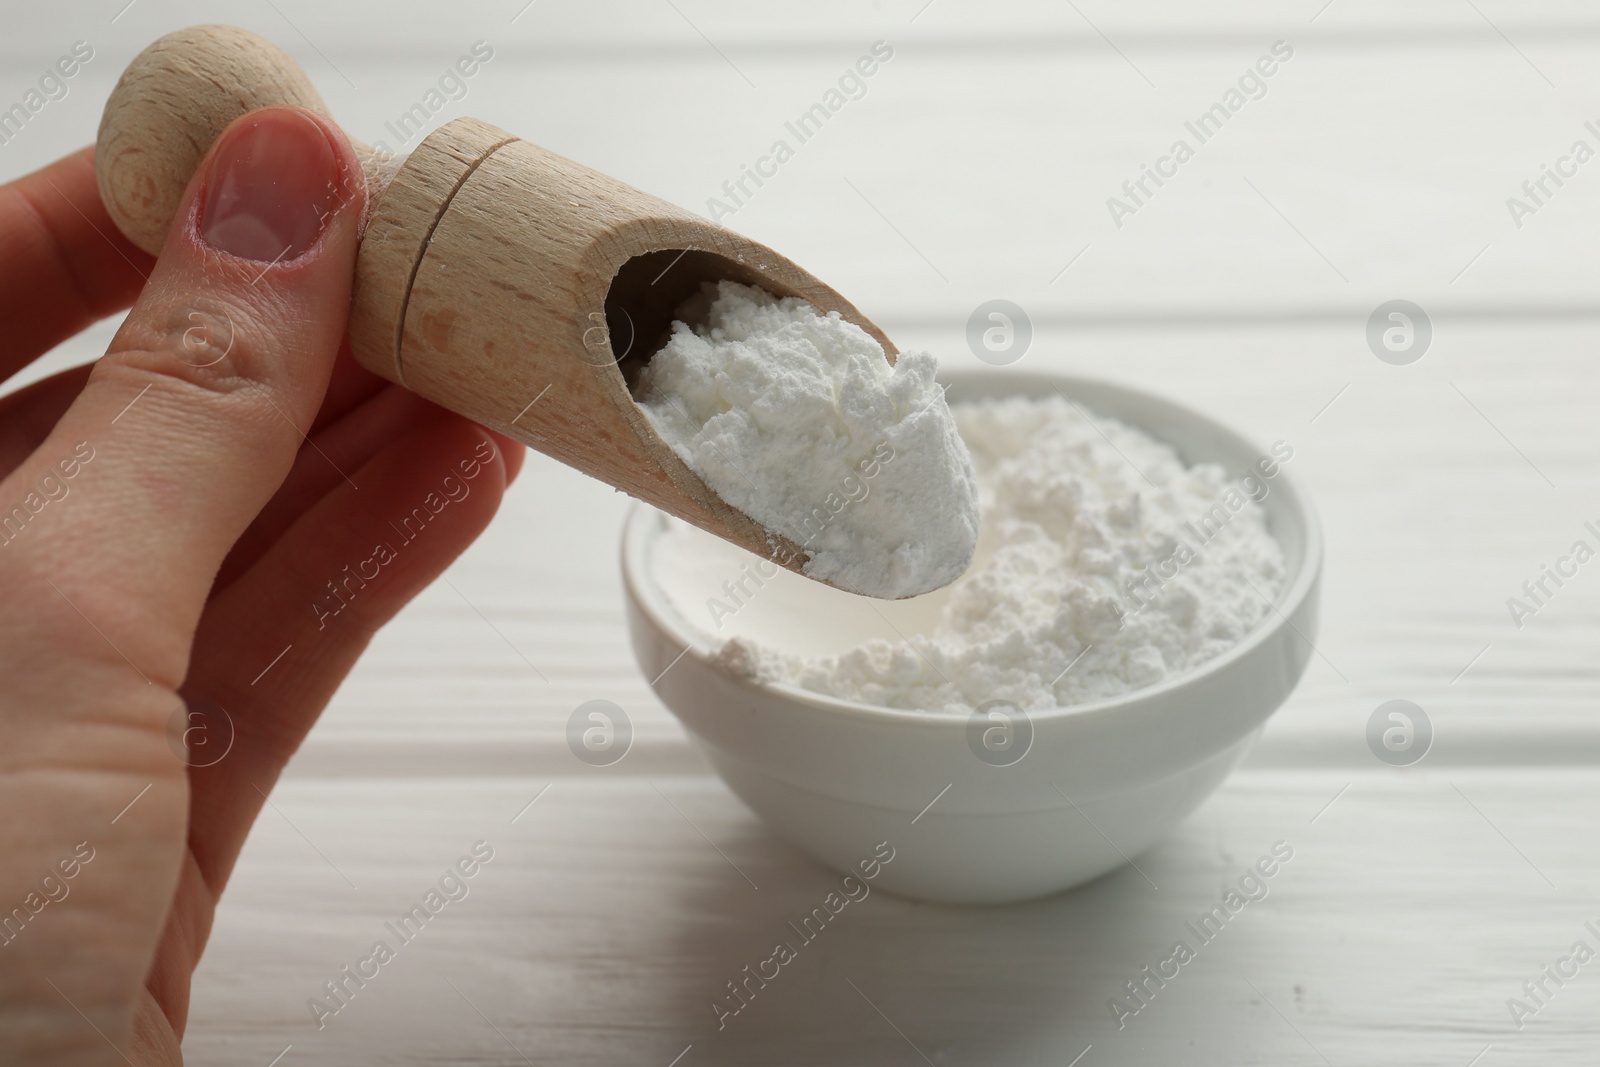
(1100, 783)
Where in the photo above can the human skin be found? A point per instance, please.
(240, 461)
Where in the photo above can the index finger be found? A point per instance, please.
(63, 262)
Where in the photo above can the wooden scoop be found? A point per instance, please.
(497, 279)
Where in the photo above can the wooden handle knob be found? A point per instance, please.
(173, 101)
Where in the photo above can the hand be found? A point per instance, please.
(203, 528)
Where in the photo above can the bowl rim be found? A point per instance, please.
(642, 521)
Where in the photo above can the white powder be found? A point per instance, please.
(1045, 616)
(797, 419)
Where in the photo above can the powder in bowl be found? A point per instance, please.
(1104, 565)
(797, 419)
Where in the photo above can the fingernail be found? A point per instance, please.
(274, 184)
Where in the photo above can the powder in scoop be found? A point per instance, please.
(1105, 565)
(797, 419)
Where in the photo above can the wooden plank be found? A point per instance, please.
(1379, 160)
(606, 924)
(1433, 520)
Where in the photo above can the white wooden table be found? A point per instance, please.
(1377, 166)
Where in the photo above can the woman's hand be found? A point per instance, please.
(198, 535)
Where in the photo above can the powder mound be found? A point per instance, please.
(1105, 566)
(797, 419)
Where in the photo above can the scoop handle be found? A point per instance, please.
(171, 104)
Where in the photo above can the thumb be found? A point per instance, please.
(194, 416)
